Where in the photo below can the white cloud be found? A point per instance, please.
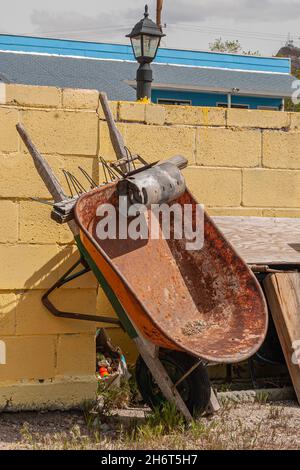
(109, 22)
(205, 20)
(246, 10)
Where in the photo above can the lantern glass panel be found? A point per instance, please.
(150, 44)
(137, 46)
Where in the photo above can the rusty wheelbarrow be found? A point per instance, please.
(207, 303)
(183, 309)
(204, 304)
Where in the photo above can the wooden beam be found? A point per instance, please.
(161, 376)
(159, 7)
(283, 295)
(46, 173)
(42, 166)
(214, 405)
(115, 135)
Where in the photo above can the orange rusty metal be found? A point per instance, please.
(206, 302)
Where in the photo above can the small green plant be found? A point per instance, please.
(228, 403)
(167, 415)
(114, 397)
(164, 420)
(261, 397)
(225, 387)
(202, 429)
(109, 398)
(275, 412)
(27, 436)
(133, 387)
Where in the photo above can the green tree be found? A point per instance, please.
(294, 54)
(288, 102)
(232, 47)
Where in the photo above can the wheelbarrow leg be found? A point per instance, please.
(214, 405)
(160, 375)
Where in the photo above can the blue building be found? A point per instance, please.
(180, 77)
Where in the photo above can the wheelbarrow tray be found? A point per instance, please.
(207, 303)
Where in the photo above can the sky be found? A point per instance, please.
(262, 25)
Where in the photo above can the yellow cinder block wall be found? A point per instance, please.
(240, 163)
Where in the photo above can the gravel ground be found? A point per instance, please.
(15, 428)
(237, 426)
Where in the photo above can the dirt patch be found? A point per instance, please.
(194, 327)
(237, 426)
(16, 427)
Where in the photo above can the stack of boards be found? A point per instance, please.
(283, 296)
(274, 242)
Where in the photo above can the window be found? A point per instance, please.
(174, 102)
(268, 108)
(233, 105)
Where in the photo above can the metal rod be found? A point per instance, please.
(229, 100)
(260, 268)
(68, 182)
(194, 367)
(104, 171)
(68, 277)
(76, 183)
(88, 177)
(107, 168)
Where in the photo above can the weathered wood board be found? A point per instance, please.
(283, 295)
(263, 240)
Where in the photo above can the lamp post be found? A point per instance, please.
(233, 91)
(145, 40)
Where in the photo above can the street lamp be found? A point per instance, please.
(145, 40)
(234, 91)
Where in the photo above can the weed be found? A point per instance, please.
(247, 426)
(225, 387)
(133, 387)
(227, 403)
(275, 413)
(114, 397)
(164, 420)
(261, 397)
(27, 436)
(200, 429)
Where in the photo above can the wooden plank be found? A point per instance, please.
(115, 135)
(159, 6)
(43, 167)
(46, 173)
(161, 376)
(214, 405)
(283, 294)
(149, 353)
(263, 240)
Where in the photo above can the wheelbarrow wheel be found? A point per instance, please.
(194, 389)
